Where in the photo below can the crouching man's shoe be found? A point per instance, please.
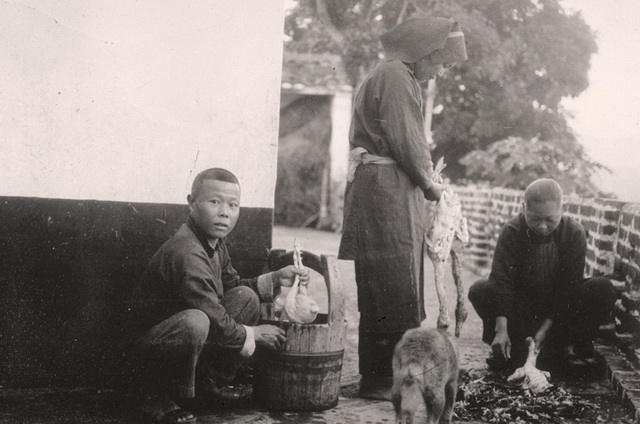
(580, 354)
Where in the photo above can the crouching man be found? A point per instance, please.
(197, 317)
(537, 287)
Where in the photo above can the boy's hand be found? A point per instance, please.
(286, 275)
(269, 336)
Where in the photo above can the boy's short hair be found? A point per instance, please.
(543, 190)
(217, 174)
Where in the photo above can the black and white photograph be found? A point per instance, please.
(319, 211)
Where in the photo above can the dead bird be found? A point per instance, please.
(530, 377)
(447, 236)
(425, 370)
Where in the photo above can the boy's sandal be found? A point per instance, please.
(178, 416)
(173, 416)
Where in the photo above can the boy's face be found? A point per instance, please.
(543, 217)
(216, 208)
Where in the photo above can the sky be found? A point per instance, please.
(607, 114)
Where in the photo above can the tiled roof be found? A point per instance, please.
(313, 73)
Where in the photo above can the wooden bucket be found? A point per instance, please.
(305, 374)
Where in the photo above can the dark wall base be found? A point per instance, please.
(67, 268)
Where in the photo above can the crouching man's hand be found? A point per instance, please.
(285, 276)
(541, 335)
(269, 336)
(501, 344)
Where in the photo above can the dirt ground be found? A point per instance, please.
(87, 405)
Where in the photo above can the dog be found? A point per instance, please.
(425, 370)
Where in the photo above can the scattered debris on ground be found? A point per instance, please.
(486, 396)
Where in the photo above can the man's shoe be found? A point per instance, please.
(496, 364)
(579, 355)
(584, 350)
(375, 387)
(210, 390)
(229, 394)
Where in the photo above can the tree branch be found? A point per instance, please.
(367, 17)
(323, 16)
(402, 12)
(418, 8)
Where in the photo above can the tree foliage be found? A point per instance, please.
(515, 162)
(525, 56)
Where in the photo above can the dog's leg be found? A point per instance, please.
(450, 399)
(461, 311)
(435, 404)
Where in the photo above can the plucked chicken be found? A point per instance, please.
(533, 379)
(296, 306)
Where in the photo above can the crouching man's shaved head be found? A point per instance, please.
(543, 190)
(543, 206)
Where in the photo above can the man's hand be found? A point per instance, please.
(541, 334)
(501, 344)
(269, 336)
(286, 275)
(434, 192)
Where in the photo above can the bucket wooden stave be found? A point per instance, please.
(305, 374)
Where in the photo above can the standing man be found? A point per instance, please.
(195, 313)
(388, 184)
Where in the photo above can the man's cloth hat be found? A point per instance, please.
(414, 39)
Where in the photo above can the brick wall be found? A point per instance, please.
(613, 245)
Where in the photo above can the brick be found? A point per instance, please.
(622, 234)
(604, 245)
(601, 261)
(616, 363)
(618, 285)
(625, 341)
(608, 230)
(630, 301)
(602, 349)
(627, 219)
(612, 215)
(631, 392)
(634, 400)
(619, 378)
(622, 250)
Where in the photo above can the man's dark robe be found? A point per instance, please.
(385, 212)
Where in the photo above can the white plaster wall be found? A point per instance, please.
(127, 100)
(340, 123)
